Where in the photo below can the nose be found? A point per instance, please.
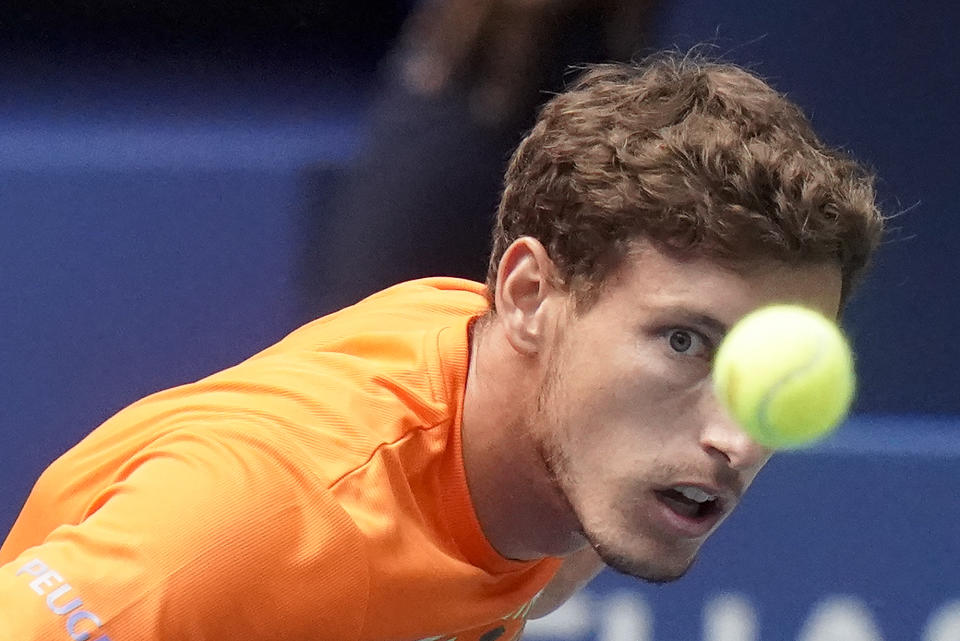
(723, 436)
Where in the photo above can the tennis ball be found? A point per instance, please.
(785, 373)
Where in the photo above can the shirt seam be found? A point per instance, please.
(433, 339)
(376, 450)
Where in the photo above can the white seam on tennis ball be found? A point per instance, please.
(764, 405)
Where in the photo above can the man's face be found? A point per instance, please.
(627, 421)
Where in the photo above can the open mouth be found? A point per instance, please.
(691, 502)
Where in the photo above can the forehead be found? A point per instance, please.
(649, 279)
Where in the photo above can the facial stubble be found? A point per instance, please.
(555, 462)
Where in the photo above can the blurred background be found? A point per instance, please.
(182, 183)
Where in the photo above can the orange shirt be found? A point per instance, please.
(315, 491)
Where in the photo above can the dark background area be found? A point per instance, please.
(284, 87)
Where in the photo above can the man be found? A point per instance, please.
(444, 460)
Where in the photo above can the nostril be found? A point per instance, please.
(716, 452)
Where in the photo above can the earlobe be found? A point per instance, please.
(526, 291)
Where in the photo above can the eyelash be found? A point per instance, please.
(708, 347)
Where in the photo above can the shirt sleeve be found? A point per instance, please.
(207, 535)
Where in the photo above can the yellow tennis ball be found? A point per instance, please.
(786, 374)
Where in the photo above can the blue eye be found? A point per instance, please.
(684, 341)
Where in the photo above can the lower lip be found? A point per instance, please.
(691, 527)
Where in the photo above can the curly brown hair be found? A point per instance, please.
(698, 157)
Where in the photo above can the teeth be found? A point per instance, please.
(694, 493)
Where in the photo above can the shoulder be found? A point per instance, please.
(214, 532)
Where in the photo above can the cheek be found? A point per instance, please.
(672, 374)
(635, 380)
(600, 398)
(606, 423)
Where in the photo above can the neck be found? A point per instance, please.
(522, 513)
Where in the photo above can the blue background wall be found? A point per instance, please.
(152, 208)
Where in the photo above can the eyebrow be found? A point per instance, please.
(699, 318)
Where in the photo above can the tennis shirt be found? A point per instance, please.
(315, 491)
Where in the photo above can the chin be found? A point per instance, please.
(652, 567)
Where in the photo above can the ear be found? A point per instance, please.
(528, 295)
